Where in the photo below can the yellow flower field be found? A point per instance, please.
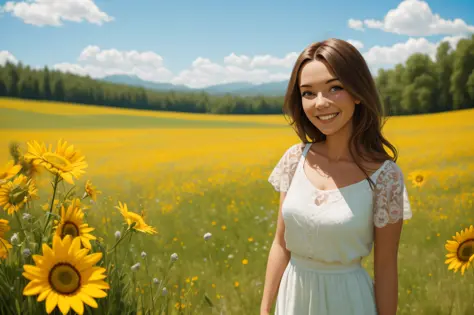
(202, 195)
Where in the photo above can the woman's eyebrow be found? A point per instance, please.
(328, 81)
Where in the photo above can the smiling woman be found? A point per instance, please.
(341, 193)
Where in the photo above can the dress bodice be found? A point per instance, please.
(336, 225)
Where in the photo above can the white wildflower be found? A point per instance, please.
(135, 267)
(15, 240)
(207, 236)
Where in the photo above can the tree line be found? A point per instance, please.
(421, 85)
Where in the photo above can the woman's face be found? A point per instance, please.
(325, 101)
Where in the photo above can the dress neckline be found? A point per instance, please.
(300, 168)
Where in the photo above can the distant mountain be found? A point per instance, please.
(136, 81)
(235, 88)
(227, 87)
(266, 89)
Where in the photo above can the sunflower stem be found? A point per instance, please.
(56, 181)
(151, 285)
(19, 222)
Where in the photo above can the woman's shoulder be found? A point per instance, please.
(282, 174)
(292, 152)
(389, 173)
(296, 148)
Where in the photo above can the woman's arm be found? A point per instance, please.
(386, 267)
(278, 259)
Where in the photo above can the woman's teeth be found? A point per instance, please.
(327, 117)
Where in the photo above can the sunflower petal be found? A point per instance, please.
(33, 270)
(93, 291)
(67, 177)
(90, 260)
(94, 273)
(88, 300)
(100, 284)
(75, 246)
(81, 254)
(86, 229)
(44, 295)
(51, 302)
(463, 268)
(63, 303)
(34, 287)
(76, 304)
(86, 242)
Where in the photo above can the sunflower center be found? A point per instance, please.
(419, 178)
(64, 278)
(57, 161)
(17, 195)
(70, 228)
(466, 250)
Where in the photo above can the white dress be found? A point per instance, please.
(328, 232)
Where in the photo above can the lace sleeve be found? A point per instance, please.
(391, 202)
(282, 174)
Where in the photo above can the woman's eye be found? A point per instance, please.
(336, 88)
(304, 93)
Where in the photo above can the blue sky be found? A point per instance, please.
(177, 34)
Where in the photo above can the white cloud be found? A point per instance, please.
(356, 43)
(356, 24)
(415, 18)
(257, 69)
(202, 72)
(261, 61)
(99, 63)
(124, 59)
(54, 12)
(383, 56)
(5, 56)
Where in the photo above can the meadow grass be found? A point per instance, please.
(193, 180)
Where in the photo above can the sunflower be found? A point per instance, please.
(418, 177)
(132, 217)
(16, 193)
(91, 191)
(461, 250)
(4, 227)
(8, 171)
(65, 161)
(66, 276)
(4, 245)
(72, 223)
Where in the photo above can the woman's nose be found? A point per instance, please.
(320, 101)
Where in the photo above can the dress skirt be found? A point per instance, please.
(309, 287)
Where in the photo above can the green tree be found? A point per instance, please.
(46, 84)
(462, 68)
(444, 70)
(470, 85)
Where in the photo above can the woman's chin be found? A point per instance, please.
(327, 131)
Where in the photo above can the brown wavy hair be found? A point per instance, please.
(349, 66)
